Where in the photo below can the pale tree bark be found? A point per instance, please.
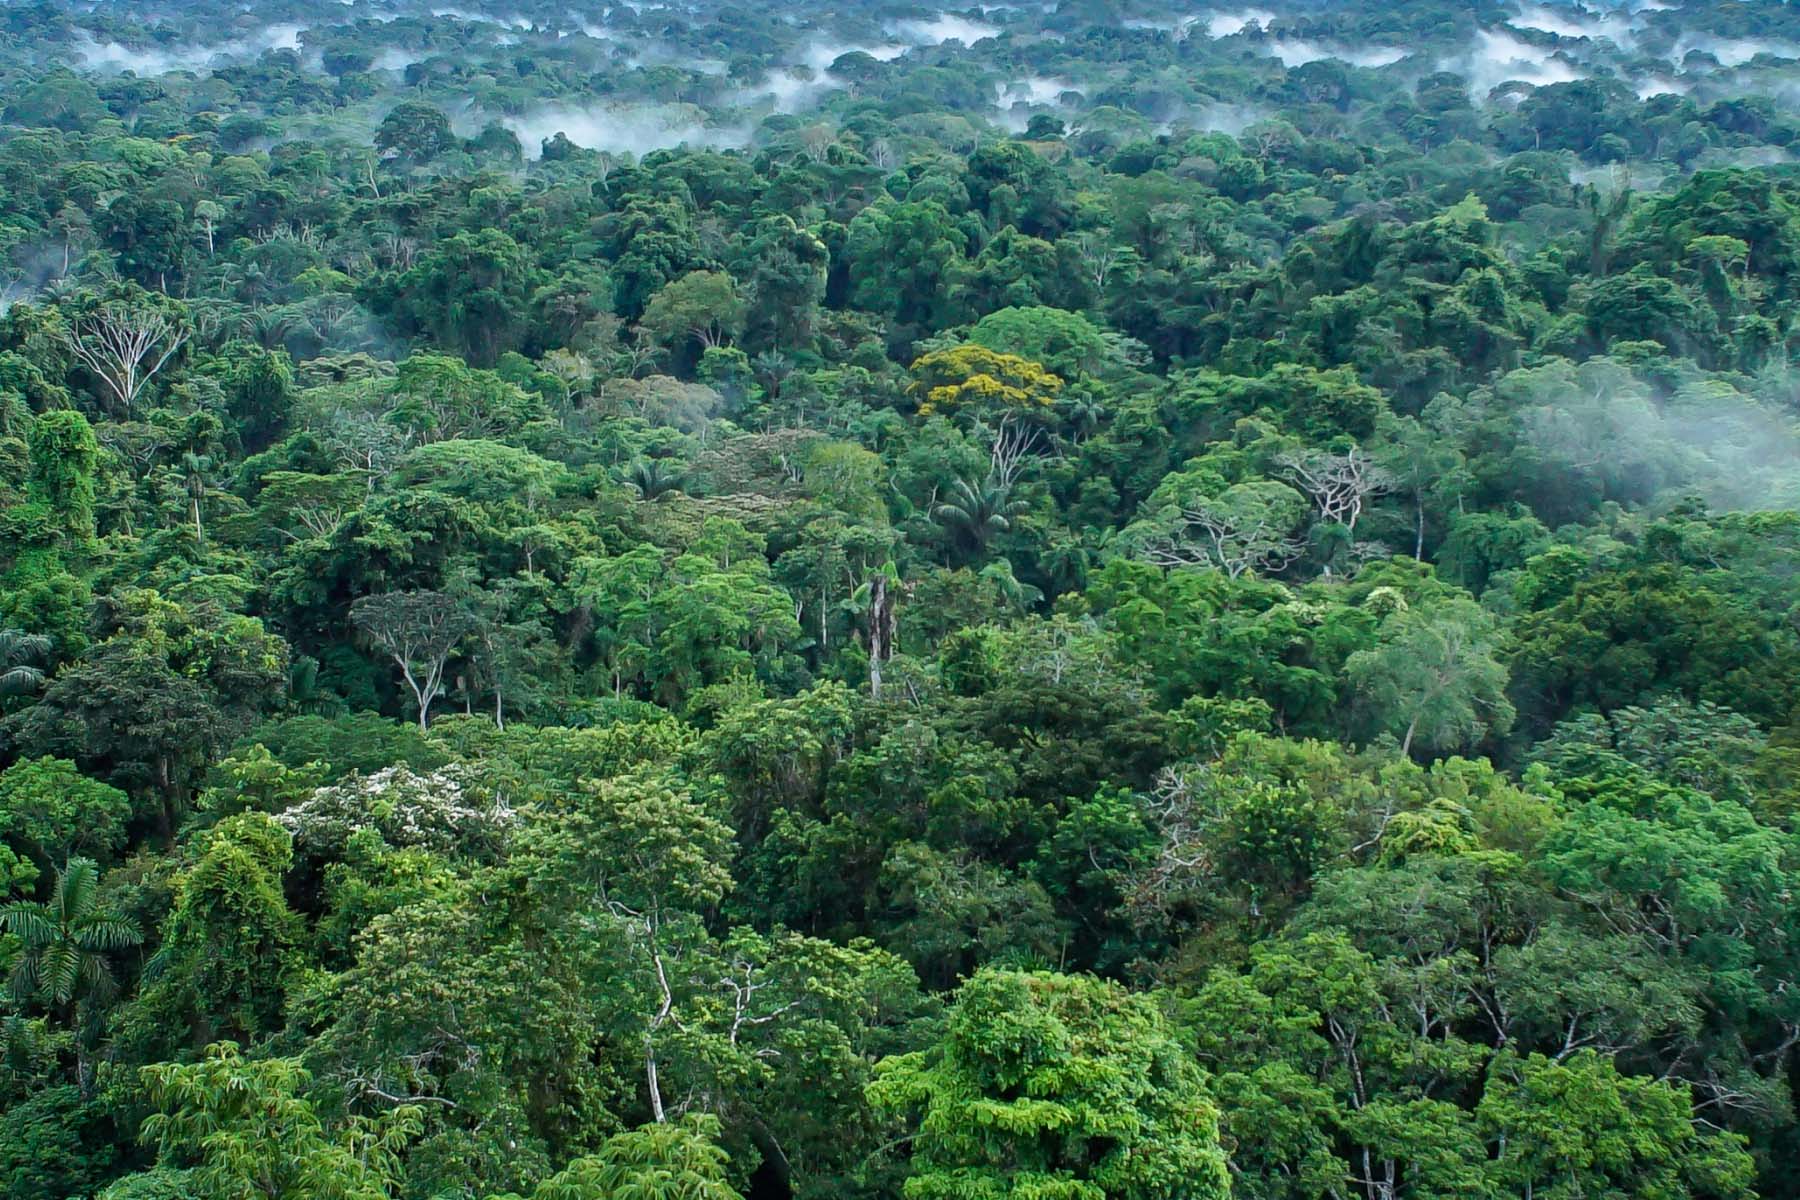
(124, 347)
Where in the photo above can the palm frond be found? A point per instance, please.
(20, 679)
(108, 933)
(30, 920)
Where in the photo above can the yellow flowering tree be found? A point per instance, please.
(974, 379)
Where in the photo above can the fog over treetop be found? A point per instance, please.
(632, 77)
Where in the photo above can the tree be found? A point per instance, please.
(1329, 1064)
(228, 944)
(1065, 343)
(64, 942)
(414, 132)
(974, 380)
(1339, 484)
(125, 341)
(156, 702)
(20, 654)
(784, 268)
(1580, 1128)
(208, 214)
(49, 811)
(237, 1129)
(64, 461)
(1247, 527)
(471, 294)
(666, 1161)
(1052, 1085)
(703, 306)
(196, 470)
(977, 513)
(419, 631)
(903, 260)
(1435, 677)
(440, 398)
(655, 855)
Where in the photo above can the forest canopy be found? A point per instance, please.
(1045, 601)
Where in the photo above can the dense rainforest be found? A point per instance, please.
(1084, 600)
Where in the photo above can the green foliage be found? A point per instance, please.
(1053, 1085)
(53, 1144)
(619, 665)
(657, 1162)
(229, 939)
(63, 467)
(64, 941)
(49, 811)
(1434, 679)
(1579, 1125)
(239, 1127)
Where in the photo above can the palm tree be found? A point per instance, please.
(20, 656)
(975, 514)
(1084, 412)
(653, 478)
(66, 941)
(194, 471)
(772, 367)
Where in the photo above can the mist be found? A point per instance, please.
(115, 56)
(1751, 450)
(1597, 419)
(806, 81)
(1296, 52)
(1021, 99)
(944, 28)
(622, 128)
(1573, 24)
(463, 14)
(1224, 25)
(1229, 119)
(397, 60)
(1659, 85)
(1731, 52)
(1498, 57)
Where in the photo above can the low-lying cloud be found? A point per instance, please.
(512, 20)
(1224, 25)
(1732, 52)
(1295, 52)
(1578, 22)
(943, 28)
(1498, 57)
(622, 128)
(101, 56)
(1020, 99)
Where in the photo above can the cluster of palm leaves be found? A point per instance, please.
(64, 941)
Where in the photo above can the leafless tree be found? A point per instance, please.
(1100, 257)
(419, 631)
(1013, 443)
(366, 444)
(124, 346)
(1339, 484)
(1230, 538)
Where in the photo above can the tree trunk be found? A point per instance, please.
(668, 1006)
(881, 631)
